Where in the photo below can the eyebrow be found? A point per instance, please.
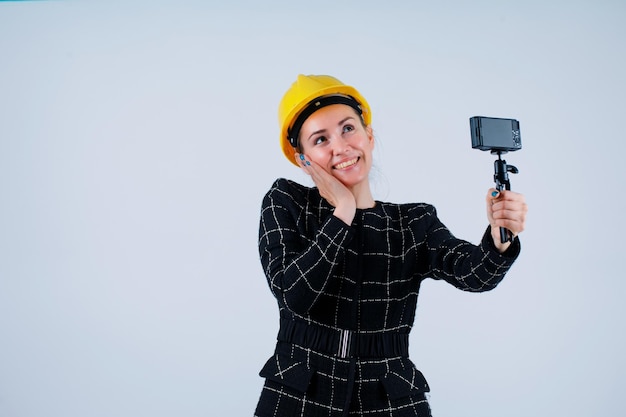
(342, 121)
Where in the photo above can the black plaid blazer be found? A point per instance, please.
(340, 286)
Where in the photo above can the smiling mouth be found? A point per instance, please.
(346, 164)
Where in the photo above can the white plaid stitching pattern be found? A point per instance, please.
(309, 258)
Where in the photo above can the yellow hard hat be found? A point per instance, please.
(308, 94)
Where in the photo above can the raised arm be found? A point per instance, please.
(469, 267)
(297, 255)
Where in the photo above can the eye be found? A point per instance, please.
(319, 139)
(347, 128)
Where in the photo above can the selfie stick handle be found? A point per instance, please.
(501, 177)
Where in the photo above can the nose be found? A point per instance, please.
(340, 145)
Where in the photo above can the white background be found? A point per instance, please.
(138, 138)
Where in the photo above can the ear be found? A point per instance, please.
(370, 134)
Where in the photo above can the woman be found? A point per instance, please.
(346, 269)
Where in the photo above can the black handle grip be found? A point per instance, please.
(505, 235)
(501, 177)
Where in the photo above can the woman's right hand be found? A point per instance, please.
(330, 188)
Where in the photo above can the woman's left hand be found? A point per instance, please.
(505, 209)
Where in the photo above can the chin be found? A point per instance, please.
(350, 182)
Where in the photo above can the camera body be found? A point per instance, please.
(495, 134)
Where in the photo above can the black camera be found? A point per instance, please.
(495, 134)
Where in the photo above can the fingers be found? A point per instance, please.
(328, 186)
(507, 209)
(317, 173)
(310, 168)
(301, 160)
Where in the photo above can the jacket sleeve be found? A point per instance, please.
(469, 267)
(298, 267)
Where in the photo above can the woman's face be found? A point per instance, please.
(334, 137)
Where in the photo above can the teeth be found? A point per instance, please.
(346, 164)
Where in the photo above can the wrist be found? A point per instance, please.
(345, 213)
(497, 242)
(501, 247)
